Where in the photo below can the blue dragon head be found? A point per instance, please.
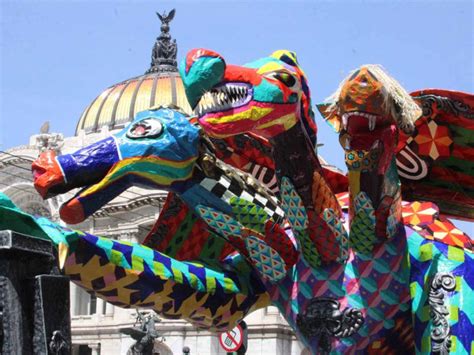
(157, 150)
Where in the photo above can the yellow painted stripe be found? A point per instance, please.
(270, 66)
(253, 114)
(286, 121)
(354, 182)
(109, 178)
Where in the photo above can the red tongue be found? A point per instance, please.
(357, 125)
(362, 137)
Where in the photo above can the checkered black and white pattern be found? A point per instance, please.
(226, 188)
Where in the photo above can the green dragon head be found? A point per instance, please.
(266, 97)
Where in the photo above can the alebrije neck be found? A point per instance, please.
(295, 158)
(375, 198)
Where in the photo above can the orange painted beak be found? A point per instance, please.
(46, 173)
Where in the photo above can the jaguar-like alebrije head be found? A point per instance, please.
(157, 150)
(265, 97)
(368, 109)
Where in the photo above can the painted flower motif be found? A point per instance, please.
(433, 140)
(446, 232)
(419, 213)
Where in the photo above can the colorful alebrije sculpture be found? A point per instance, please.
(161, 149)
(365, 272)
(390, 276)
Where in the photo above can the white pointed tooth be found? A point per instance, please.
(371, 122)
(345, 118)
(348, 143)
(375, 144)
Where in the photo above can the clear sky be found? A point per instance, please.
(57, 56)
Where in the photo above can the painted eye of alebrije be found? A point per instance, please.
(146, 128)
(286, 79)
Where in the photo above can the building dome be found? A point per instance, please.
(117, 105)
(160, 85)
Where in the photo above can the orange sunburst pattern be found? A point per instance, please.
(446, 232)
(419, 213)
(433, 140)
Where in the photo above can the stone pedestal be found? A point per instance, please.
(34, 298)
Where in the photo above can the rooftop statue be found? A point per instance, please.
(165, 50)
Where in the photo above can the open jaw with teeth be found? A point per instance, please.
(371, 119)
(224, 97)
(365, 131)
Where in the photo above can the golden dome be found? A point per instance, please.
(160, 85)
(118, 104)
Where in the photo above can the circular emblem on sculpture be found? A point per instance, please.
(146, 128)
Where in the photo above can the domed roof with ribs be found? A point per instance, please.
(117, 105)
